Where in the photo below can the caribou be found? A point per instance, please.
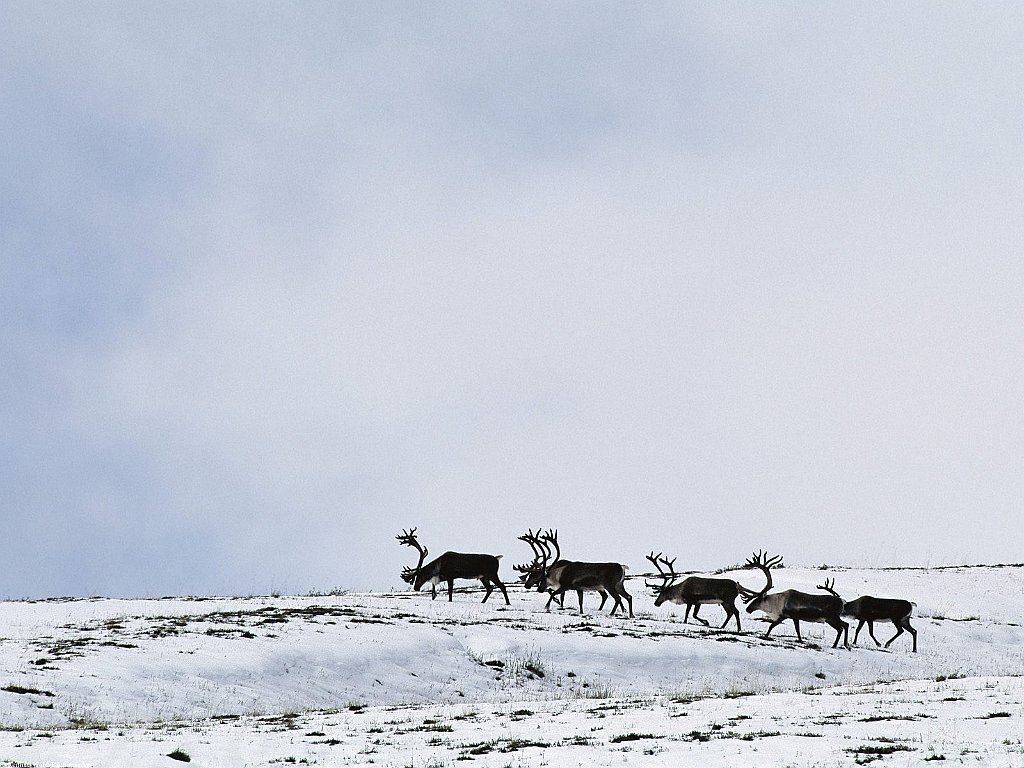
(868, 610)
(558, 576)
(695, 591)
(449, 567)
(798, 606)
(534, 575)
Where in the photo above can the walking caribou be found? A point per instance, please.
(868, 609)
(558, 576)
(695, 591)
(798, 606)
(449, 567)
(534, 575)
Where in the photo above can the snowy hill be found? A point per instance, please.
(71, 665)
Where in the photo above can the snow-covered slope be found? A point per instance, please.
(225, 664)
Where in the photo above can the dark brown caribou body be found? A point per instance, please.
(695, 591)
(449, 567)
(561, 576)
(547, 560)
(868, 610)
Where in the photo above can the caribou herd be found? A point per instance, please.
(549, 572)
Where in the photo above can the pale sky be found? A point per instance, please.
(279, 280)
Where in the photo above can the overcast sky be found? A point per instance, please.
(278, 280)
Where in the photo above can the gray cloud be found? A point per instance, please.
(699, 281)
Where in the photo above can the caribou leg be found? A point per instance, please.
(860, 626)
(696, 608)
(911, 630)
(904, 624)
(622, 591)
(489, 582)
(842, 630)
(730, 611)
(503, 591)
(773, 625)
(900, 625)
(871, 631)
(560, 593)
(899, 631)
(553, 596)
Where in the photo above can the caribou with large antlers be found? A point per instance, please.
(549, 572)
(798, 606)
(450, 566)
(695, 591)
(547, 559)
(868, 609)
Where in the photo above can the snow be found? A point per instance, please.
(396, 679)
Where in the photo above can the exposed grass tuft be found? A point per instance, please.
(21, 689)
(631, 737)
(878, 749)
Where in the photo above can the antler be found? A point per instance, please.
(654, 561)
(533, 540)
(828, 587)
(408, 538)
(761, 561)
(550, 536)
(540, 552)
(668, 578)
(534, 570)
